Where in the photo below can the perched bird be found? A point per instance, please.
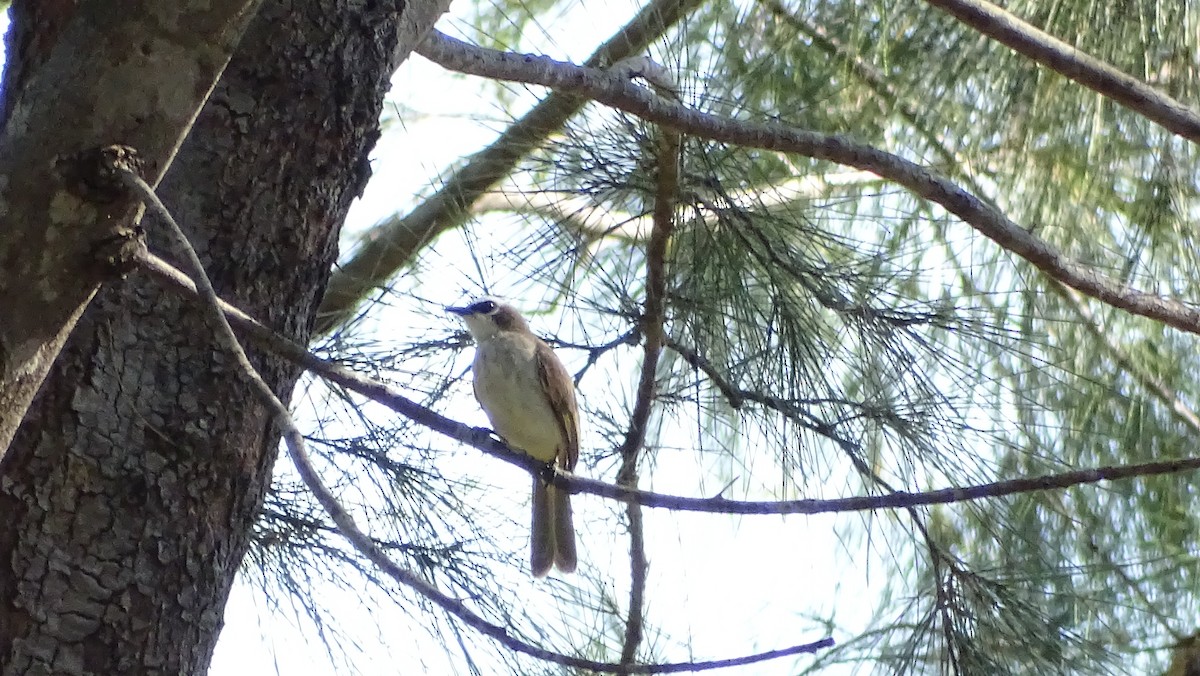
(530, 400)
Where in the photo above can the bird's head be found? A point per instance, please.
(488, 316)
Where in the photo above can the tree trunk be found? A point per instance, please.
(130, 489)
(98, 77)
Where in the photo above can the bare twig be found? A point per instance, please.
(364, 544)
(612, 90)
(1073, 63)
(630, 337)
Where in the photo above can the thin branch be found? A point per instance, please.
(610, 89)
(341, 518)
(894, 499)
(1149, 382)
(630, 337)
(655, 306)
(395, 241)
(1071, 62)
(638, 567)
(482, 440)
(653, 316)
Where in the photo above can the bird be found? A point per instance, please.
(529, 398)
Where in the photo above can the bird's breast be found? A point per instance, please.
(509, 389)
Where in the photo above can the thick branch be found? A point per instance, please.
(1070, 62)
(613, 90)
(878, 83)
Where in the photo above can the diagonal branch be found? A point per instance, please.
(1070, 62)
(394, 242)
(613, 90)
(879, 84)
(482, 440)
(1149, 382)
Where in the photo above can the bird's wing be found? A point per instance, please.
(475, 383)
(560, 393)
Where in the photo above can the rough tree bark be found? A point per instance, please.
(136, 77)
(130, 488)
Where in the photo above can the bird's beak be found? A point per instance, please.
(460, 311)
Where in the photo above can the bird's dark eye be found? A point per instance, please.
(483, 307)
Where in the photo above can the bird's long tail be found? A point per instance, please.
(564, 530)
(552, 535)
